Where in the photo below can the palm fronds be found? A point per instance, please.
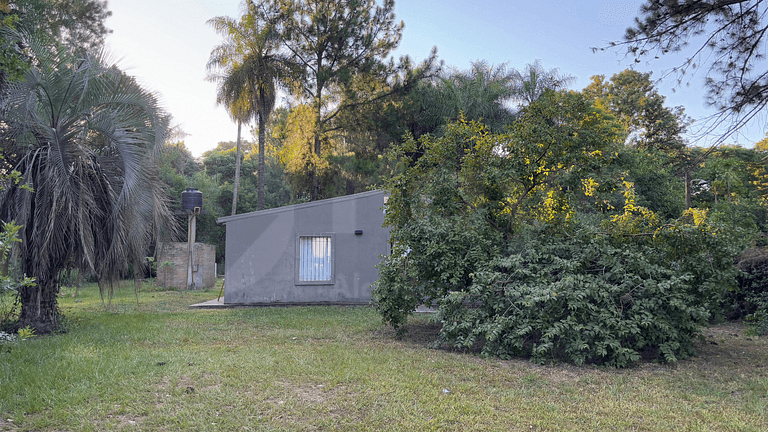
(84, 135)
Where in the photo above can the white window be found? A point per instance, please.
(315, 260)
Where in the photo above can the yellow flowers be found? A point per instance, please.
(698, 215)
(555, 208)
(590, 186)
(635, 219)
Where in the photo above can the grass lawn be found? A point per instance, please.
(160, 366)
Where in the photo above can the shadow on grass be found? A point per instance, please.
(723, 350)
(422, 331)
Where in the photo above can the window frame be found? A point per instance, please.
(297, 272)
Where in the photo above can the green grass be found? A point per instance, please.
(161, 366)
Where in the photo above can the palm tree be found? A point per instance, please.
(248, 68)
(534, 80)
(83, 135)
(240, 109)
(481, 93)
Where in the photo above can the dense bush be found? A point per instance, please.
(591, 296)
(522, 242)
(750, 301)
(586, 298)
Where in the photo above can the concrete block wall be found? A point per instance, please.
(172, 265)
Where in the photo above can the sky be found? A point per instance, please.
(166, 44)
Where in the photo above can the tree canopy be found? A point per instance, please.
(725, 38)
(249, 68)
(77, 25)
(534, 80)
(341, 46)
(632, 97)
(532, 242)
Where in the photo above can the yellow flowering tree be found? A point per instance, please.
(532, 243)
(471, 192)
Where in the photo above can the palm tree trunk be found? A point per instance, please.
(262, 178)
(39, 306)
(237, 172)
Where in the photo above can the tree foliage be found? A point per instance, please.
(481, 93)
(534, 80)
(634, 100)
(726, 38)
(472, 190)
(219, 165)
(654, 174)
(341, 46)
(77, 25)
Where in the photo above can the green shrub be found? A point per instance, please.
(581, 299)
(758, 320)
(9, 298)
(750, 300)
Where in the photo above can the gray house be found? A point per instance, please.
(319, 252)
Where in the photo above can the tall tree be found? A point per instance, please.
(336, 42)
(534, 80)
(85, 135)
(248, 68)
(655, 155)
(631, 97)
(78, 25)
(726, 38)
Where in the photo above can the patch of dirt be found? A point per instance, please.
(185, 382)
(727, 346)
(309, 393)
(335, 402)
(420, 333)
(7, 425)
(129, 422)
(314, 394)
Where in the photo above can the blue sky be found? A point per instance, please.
(165, 44)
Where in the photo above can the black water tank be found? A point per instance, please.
(190, 199)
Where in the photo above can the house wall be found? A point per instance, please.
(172, 265)
(262, 251)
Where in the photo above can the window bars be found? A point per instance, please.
(315, 258)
